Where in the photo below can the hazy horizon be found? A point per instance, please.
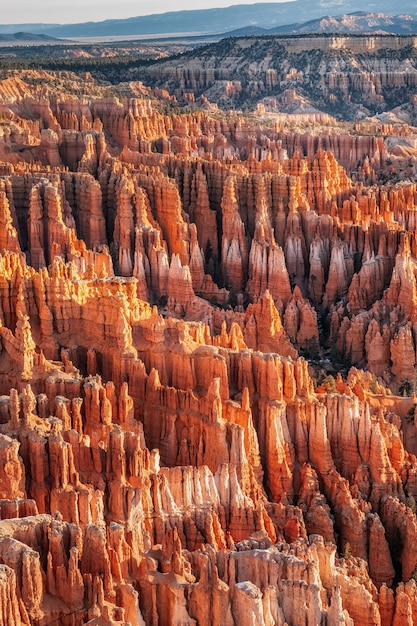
(52, 12)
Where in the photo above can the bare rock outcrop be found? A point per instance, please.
(183, 439)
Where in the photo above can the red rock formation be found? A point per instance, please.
(233, 250)
(165, 454)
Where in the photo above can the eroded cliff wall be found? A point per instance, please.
(174, 290)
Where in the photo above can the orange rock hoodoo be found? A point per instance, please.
(165, 455)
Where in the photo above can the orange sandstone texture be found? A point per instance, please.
(165, 456)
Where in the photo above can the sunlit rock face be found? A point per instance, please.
(207, 366)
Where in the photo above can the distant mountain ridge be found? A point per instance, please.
(262, 15)
(27, 38)
(358, 22)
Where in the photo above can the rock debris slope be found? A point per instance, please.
(177, 295)
(344, 75)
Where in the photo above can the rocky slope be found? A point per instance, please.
(359, 22)
(347, 76)
(175, 293)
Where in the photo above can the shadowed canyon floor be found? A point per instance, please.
(208, 338)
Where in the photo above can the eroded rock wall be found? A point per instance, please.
(173, 292)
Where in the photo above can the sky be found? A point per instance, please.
(74, 11)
